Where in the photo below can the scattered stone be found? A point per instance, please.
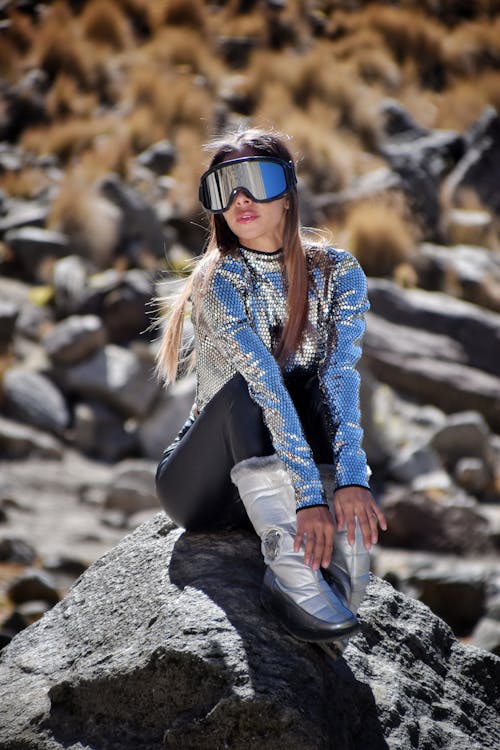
(459, 598)
(160, 157)
(486, 635)
(69, 278)
(74, 339)
(464, 434)
(117, 377)
(477, 331)
(34, 399)
(468, 227)
(13, 550)
(32, 611)
(107, 672)
(465, 271)
(428, 367)
(449, 524)
(133, 487)
(480, 163)
(23, 214)
(32, 247)
(411, 463)
(101, 433)
(21, 441)
(141, 228)
(158, 430)
(8, 316)
(33, 584)
(473, 475)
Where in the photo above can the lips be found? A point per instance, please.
(245, 217)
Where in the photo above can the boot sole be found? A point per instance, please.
(299, 623)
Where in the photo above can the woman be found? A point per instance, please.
(274, 436)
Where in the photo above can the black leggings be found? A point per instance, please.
(193, 481)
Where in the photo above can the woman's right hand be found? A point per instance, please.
(315, 529)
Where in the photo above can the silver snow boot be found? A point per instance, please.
(294, 593)
(350, 566)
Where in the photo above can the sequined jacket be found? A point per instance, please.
(237, 322)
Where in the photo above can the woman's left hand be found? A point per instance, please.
(358, 502)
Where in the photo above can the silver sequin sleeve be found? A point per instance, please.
(338, 376)
(224, 320)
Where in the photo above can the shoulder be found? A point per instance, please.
(332, 260)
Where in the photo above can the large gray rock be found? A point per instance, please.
(476, 330)
(432, 368)
(33, 398)
(469, 272)
(32, 247)
(74, 339)
(117, 377)
(162, 644)
(445, 522)
(478, 167)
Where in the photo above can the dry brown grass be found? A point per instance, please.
(91, 223)
(379, 237)
(473, 47)
(70, 139)
(104, 23)
(65, 99)
(459, 106)
(19, 32)
(326, 161)
(60, 46)
(188, 13)
(27, 183)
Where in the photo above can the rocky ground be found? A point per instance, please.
(83, 419)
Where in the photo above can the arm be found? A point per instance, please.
(340, 381)
(223, 309)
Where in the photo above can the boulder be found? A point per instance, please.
(20, 441)
(132, 488)
(469, 272)
(32, 247)
(477, 331)
(74, 339)
(115, 376)
(141, 228)
(431, 368)
(100, 432)
(162, 644)
(445, 522)
(34, 399)
(23, 214)
(160, 157)
(478, 167)
(9, 312)
(160, 428)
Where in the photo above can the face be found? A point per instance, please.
(258, 226)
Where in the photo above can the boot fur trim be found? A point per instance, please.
(255, 463)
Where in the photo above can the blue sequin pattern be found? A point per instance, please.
(237, 322)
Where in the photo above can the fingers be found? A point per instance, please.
(316, 531)
(351, 503)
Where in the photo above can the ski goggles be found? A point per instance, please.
(263, 178)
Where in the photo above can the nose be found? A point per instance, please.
(241, 197)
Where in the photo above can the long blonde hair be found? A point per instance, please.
(223, 242)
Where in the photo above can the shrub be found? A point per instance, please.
(379, 237)
(473, 47)
(91, 222)
(66, 99)
(67, 139)
(103, 22)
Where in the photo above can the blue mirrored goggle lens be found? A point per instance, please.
(264, 180)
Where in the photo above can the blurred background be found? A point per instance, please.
(392, 108)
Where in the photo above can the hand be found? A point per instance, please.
(316, 527)
(357, 502)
